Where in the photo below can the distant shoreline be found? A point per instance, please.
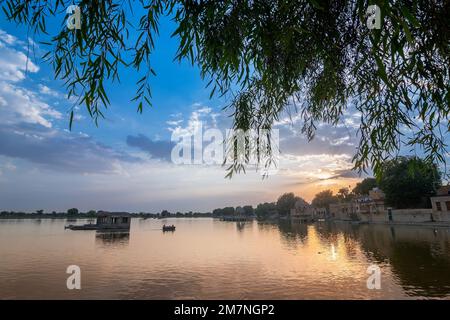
(137, 216)
(45, 217)
(66, 216)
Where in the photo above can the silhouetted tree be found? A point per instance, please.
(72, 211)
(165, 213)
(228, 211)
(264, 209)
(286, 202)
(248, 210)
(363, 187)
(344, 194)
(323, 199)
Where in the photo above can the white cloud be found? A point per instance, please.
(18, 104)
(202, 116)
(14, 64)
(23, 105)
(204, 110)
(339, 141)
(3, 102)
(27, 131)
(7, 38)
(288, 120)
(174, 123)
(47, 91)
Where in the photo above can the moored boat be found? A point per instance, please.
(168, 228)
(90, 226)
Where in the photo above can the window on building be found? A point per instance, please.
(438, 206)
(447, 204)
(125, 220)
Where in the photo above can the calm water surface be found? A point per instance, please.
(211, 259)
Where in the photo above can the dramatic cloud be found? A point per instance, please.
(328, 140)
(58, 150)
(44, 166)
(201, 118)
(27, 123)
(18, 104)
(156, 149)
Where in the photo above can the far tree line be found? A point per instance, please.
(41, 212)
(408, 182)
(74, 212)
(282, 207)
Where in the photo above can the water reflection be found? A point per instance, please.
(211, 259)
(419, 257)
(242, 225)
(292, 233)
(112, 238)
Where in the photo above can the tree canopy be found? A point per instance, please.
(323, 199)
(344, 194)
(72, 211)
(248, 210)
(266, 208)
(316, 58)
(286, 202)
(408, 182)
(363, 187)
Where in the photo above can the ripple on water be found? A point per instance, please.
(206, 259)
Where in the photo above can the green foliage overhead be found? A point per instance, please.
(408, 182)
(267, 57)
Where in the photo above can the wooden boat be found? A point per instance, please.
(82, 227)
(168, 228)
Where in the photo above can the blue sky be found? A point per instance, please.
(124, 163)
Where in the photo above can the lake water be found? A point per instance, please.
(211, 259)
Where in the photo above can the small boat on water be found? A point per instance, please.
(90, 226)
(168, 228)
